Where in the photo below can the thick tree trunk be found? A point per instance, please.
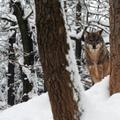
(11, 66)
(53, 48)
(27, 46)
(115, 46)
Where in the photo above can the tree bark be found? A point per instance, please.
(25, 34)
(115, 46)
(53, 48)
(78, 42)
(11, 66)
(27, 47)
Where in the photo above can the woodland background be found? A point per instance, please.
(29, 41)
(21, 72)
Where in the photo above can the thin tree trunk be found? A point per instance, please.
(25, 34)
(78, 17)
(53, 48)
(78, 42)
(27, 46)
(115, 46)
(11, 66)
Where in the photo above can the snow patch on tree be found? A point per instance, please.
(72, 68)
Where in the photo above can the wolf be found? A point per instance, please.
(97, 56)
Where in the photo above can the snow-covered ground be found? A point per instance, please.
(97, 104)
(37, 108)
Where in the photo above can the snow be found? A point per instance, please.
(97, 105)
(37, 108)
(72, 67)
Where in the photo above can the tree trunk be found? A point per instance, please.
(53, 48)
(115, 46)
(27, 46)
(25, 34)
(78, 42)
(78, 17)
(11, 66)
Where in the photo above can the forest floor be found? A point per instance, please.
(97, 105)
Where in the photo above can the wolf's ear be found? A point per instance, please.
(100, 32)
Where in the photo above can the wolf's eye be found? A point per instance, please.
(97, 40)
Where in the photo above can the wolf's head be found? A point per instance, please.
(94, 40)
